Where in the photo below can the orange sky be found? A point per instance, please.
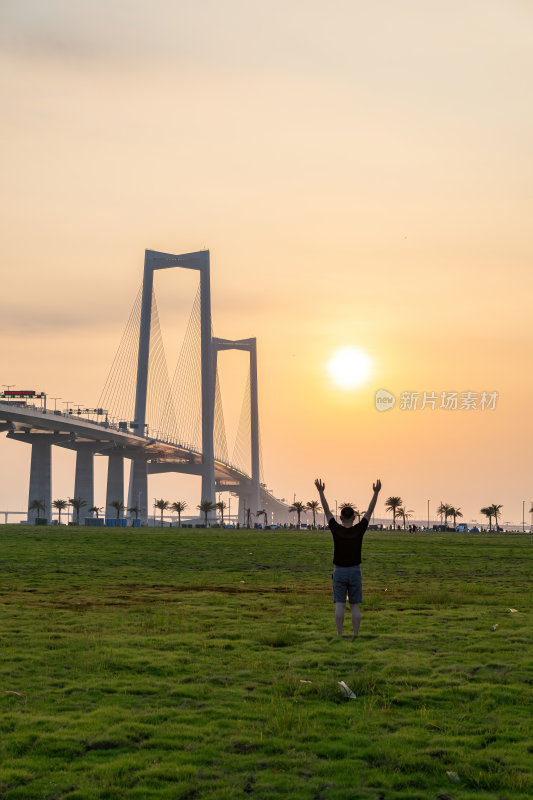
(362, 176)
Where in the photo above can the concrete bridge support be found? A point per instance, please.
(41, 467)
(154, 261)
(40, 475)
(249, 346)
(138, 493)
(84, 476)
(115, 482)
(245, 503)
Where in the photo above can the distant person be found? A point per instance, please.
(347, 540)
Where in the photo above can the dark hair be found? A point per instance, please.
(347, 513)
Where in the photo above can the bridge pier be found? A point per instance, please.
(41, 467)
(138, 492)
(115, 482)
(245, 503)
(40, 475)
(84, 474)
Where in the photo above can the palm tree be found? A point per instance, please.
(262, 513)
(60, 505)
(77, 504)
(221, 506)
(487, 512)
(248, 517)
(119, 507)
(37, 505)
(445, 510)
(162, 505)
(206, 506)
(300, 509)
(179, 506)
(448, 513)
(404, 514)
(496, 512)
(455, 512)
(135, 510)
(313, 506)
(392, 504)
(95, 510)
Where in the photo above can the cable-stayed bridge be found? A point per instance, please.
(162, 423)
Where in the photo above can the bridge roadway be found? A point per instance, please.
(42, 429)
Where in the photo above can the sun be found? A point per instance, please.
(349, 367)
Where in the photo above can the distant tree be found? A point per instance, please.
(179, 507)
(455, 512)
(404, 514)
(392, 504)
(248, 517)
(496, 512)
(119, 507)
(162, 505)
(135, 510)
(37, 505)
(314, 507)
(95, 510)
(221, 506)
(206, 506)
(77, 504)
(300, 509)
(487, 512)
(445, 510)
(262, 513)
(59, 505)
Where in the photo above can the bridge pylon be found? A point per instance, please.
(249, 346)
(138, 490)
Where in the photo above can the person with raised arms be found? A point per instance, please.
(347, 542)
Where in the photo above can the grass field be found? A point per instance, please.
(169, 664)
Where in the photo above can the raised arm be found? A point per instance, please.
(320, 485)
(377, 488)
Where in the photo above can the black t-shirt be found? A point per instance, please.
(347, 542)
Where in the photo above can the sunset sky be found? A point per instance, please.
(362, 174)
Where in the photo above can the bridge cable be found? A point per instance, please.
(118, 394)
(220, 438)
(185, 387)
(241, 456)
(158, 380)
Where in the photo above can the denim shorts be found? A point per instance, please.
(347, 581)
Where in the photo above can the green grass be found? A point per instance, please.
(167, 664)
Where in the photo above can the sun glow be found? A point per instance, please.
(349, 367)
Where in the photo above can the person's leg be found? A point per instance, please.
(356, 618)
(339, 617)
(340, 591)
(355, 596)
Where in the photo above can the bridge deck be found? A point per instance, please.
(20, 421)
